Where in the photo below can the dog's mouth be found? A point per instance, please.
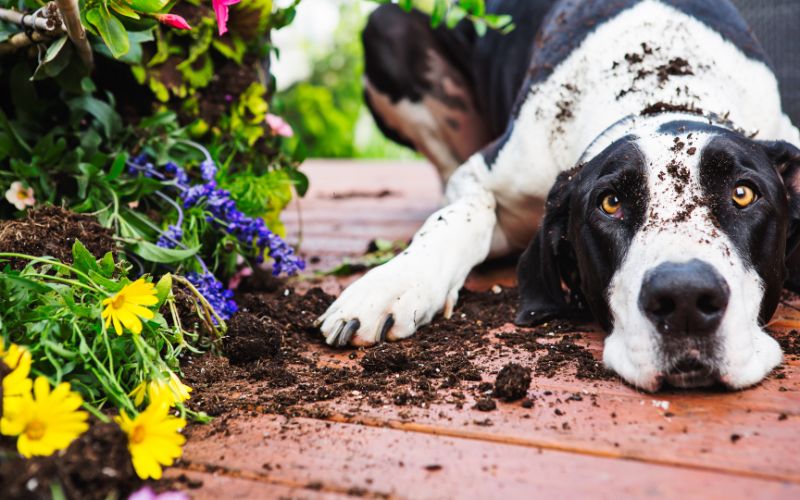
(690, 373)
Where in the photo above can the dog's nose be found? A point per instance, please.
(684, 298)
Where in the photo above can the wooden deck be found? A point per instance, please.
(581, 438)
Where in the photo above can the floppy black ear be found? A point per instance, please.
(786, 158)
(548, 261)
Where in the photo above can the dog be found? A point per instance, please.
(636, 150)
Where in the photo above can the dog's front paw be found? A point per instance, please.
(388, 303)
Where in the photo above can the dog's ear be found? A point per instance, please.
(786, 158)
(548, 260)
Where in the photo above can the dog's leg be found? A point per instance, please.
(393, 300)
(417, 87)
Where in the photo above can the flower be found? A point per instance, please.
(174, 391)
(146, 493)
(279, 126)
(154, 439)
(126, 306)
(16, 385)
(173, 20)
(171, 237)
(46, 421)
(20, 196)
(221, 300)
(208, 170)
(221, 9)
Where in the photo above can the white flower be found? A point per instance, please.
(20, 196)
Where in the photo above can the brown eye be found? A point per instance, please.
(743, 196)
(610, 204)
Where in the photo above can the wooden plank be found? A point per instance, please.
(228, 485)
(340, 457)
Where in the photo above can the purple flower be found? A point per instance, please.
(208, 170)
(179, 173)
(220, 298)
(171, 237)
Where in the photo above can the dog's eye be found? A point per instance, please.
(611, 204)
(743, 196)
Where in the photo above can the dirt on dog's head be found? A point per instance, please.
(675, 236)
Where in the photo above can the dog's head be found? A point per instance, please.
(676, 240)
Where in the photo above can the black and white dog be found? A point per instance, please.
(673, 176)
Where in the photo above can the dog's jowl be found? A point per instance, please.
(646, 168)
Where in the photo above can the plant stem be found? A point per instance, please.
(56, 263)
(70, 12)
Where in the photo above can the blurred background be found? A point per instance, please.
(318, 72)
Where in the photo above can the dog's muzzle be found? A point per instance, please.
(686, 303)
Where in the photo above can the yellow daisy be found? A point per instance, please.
(173, 391)
(127, 306)
(154, 440)
(16, 384)
(46, 421)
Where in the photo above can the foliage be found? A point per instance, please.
(452, 12)
(54, 309)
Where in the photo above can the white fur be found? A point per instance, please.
(633, 348)
(426, 278)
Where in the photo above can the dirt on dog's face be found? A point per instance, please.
(675, 238)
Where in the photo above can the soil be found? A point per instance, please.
(51, 231)
(291, 368)
(97, 465)
(512, 382)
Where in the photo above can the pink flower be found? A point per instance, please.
(221, 9)
(20, 196)
(279, 126)
(173, 20)
(237, 278)
(148, 494)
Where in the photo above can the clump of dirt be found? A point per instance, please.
(385, 359)
(51, 231)
(97, 465)
(512, 382)
(250, 338)
(675, 67)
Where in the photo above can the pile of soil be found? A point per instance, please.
(276, 362)
(51, 231)
(97, 465)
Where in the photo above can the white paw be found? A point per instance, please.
(388, 303)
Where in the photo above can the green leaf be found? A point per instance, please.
(454, 16)
(299, 179)
(163, 289)
(480, 27)
(111, 30)
(439, 11)
(82, 259)
(105, 114)
(155, 253)
(117, 167)
(106, 265)
(54, 60)
(110, 285)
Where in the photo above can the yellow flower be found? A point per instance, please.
(173, 391)
(154, 440)
(46, 421)
(126, 306)
(16, 384)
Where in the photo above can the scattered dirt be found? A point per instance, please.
(666, 107)
(512, 382)
(97, 465)
(444, 362)
(34, 235)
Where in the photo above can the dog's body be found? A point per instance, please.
(627, 101)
